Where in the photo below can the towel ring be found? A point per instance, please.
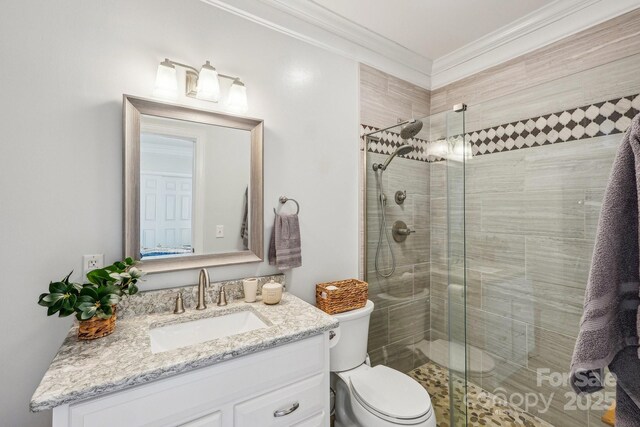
(285, 199)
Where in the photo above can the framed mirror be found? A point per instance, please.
(193, 186)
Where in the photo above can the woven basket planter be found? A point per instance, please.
(96, 327)
(341, 296)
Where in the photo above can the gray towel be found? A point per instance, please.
(626, 367)
(284, 247)
(609, 322)
(244, 228)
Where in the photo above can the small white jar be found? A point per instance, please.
(250, 287)
(272, 293)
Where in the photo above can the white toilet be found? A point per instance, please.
(372, 397)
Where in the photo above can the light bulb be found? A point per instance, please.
(208, 84)
(237, 100)
(166, 81)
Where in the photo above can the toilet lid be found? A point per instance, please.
(390, 393)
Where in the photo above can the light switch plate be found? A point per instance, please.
(219, 231)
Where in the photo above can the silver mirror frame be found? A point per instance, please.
(133, 109)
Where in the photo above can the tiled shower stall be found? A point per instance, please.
(541, 153)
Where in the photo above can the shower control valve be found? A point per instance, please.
(400, 231)
(401, 196)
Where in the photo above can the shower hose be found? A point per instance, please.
(384, 232)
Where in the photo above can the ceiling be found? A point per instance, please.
(430, 43)
(432, 28)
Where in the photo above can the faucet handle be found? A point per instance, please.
(222, 296)
(179, 309)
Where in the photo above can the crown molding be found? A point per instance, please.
(542, 27)
(310, 22)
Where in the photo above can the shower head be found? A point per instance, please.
(402, 150)
(411, 129)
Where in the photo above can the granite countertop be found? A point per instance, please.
(85, 369)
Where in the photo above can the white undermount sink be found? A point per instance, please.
(177, 335)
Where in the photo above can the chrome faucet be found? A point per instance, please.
(203, 282)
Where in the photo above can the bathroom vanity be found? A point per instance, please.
(243, 365)
(275, 372)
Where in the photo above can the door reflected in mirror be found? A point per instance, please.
(194, 188)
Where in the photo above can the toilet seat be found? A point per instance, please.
(390, 395)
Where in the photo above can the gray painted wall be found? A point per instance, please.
(61, 175)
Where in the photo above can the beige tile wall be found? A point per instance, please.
(531, 214)
(401, 316)
(605, 43)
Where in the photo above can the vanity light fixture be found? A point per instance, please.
(208, 86)
(237, 100)
(201, 84)
(166, 81)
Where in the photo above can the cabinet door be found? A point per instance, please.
(211, 420)
(284, 406)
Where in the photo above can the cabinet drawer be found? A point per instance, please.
(284, 406)
(316, 420)
(211, 420)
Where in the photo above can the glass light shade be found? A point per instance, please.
(237, 100)
(459, 150)
(437, 149)
(208, 84)
(166, 81)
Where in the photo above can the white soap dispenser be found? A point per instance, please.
(272, 292)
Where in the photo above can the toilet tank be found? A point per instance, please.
(348, 348)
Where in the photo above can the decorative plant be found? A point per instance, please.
(94, 299)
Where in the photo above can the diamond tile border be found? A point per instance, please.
(589, 121)
(390, 141)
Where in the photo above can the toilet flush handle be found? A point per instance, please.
(334, 337)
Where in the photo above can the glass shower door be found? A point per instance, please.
(457, 152)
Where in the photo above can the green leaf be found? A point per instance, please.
(66, 279)
(90, 291)
(64, 312)
(52, 299)
(92, 278)
(40, 300)
(88, 313)
(86, 298)
(120, 265)
(85, 305)
(99, 277)
(54, 307)
(109, 300)
(69, 302)
(106, 309)
(57, 287)
(77, 287)
(106, 290)
(129, 261)
(133, 289)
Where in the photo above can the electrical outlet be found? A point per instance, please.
(92, 262)
(219, 231)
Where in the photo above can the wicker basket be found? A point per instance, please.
(96, 327)
(349, 295)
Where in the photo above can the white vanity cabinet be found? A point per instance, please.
(284, 386)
